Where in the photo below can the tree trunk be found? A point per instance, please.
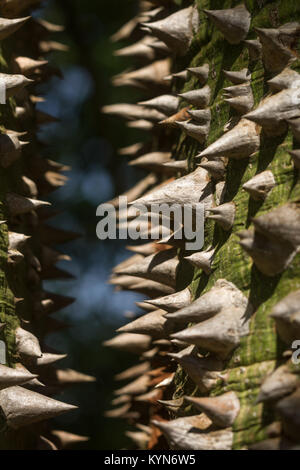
(235, 366)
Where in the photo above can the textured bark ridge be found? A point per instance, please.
(214, 344)
(29, 373)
